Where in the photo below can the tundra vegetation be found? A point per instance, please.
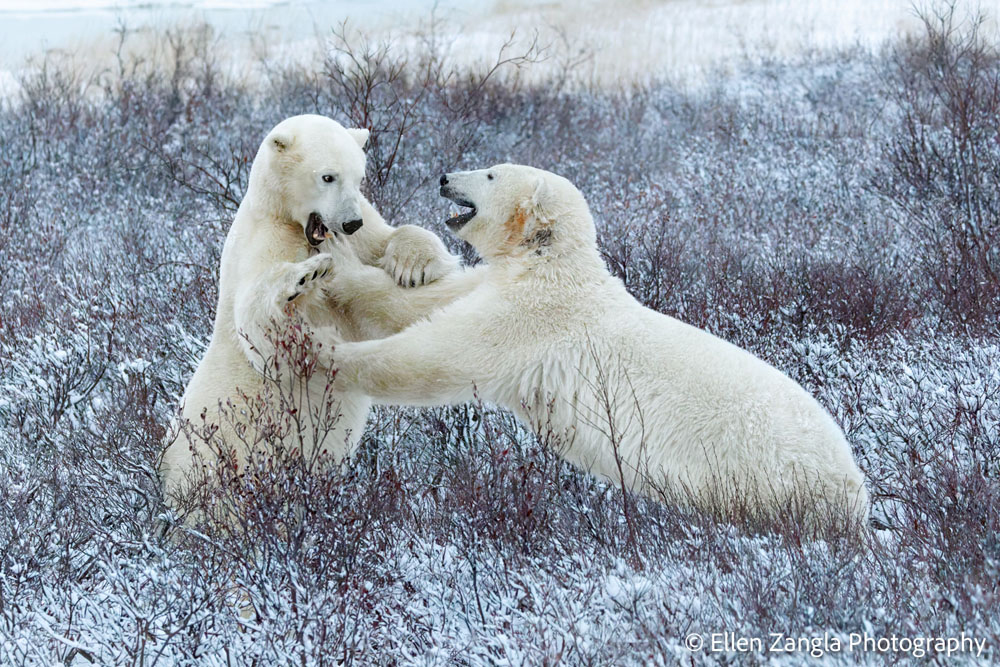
(837, 214)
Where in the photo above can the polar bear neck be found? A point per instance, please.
(261, 235)
(560, 265)
(265, 206)
(561, 244)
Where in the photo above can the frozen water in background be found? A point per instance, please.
(624, 41)
(31, 26)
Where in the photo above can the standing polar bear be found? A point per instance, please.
(630, 394)
(304, 188)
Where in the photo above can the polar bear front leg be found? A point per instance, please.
(264, 302)
(414, 256)
(418, 366)
(382, 308)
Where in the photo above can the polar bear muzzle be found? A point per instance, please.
(317, 232)
(457, 220)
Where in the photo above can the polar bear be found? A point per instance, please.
(304, 187)
(632, 395)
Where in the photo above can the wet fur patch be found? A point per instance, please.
(541, 238)
(515, 227)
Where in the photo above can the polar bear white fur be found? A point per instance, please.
(632, 395)
(304, 187)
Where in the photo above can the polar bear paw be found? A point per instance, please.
(304, 277)
(414, 257)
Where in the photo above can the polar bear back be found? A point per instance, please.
(685, 410)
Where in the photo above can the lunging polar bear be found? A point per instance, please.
(304, 188)
(631, 395)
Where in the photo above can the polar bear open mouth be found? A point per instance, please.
(316, 231)
(459, 220)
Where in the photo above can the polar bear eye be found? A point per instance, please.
(329, 178)
(489, 176)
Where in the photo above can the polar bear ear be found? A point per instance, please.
(359, 134)
(540, 196)
(280, 141)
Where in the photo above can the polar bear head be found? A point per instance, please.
(516, 210)
(308, 171)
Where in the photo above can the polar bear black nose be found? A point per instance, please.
(444, 179)
(352, 226)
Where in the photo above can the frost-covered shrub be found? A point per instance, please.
(943, 171)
